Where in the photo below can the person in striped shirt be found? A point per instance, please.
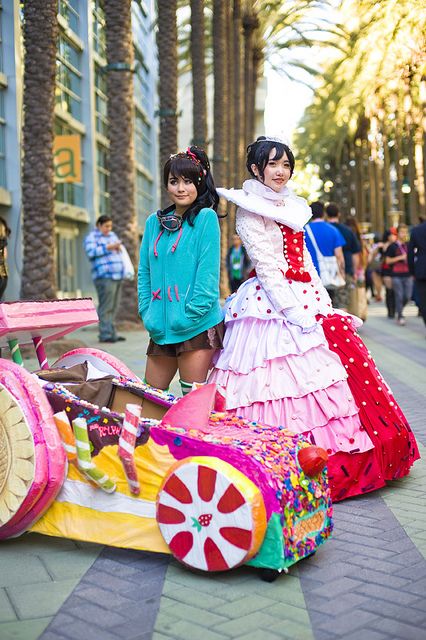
(103, 248)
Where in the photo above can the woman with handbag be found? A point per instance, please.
(178, 279)
(288, 359)
(402, 280)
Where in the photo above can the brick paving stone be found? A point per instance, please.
(39, 600)
(336, 588)
(256, 620)
(395, 611)
(346, 624)
(244, 606)
(205, 618)
(22, 570)
(185, 629)
(298, 614)
(102, 616)
(188, 596)
(24, 629)
(367, 634)
(7, 612)
(260, 635)
(67, 564)
(291, 630)
(398, 629)
(386, 579)
(383, 593)
(339, 606)
(80, 629)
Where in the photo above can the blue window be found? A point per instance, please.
(98, 21)
(68, 9)
(68, 78)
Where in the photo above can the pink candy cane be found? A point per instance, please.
(40, 352)
(126, 446)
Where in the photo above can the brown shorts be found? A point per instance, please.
(209, 339)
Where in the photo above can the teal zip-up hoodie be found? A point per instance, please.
(178, 279)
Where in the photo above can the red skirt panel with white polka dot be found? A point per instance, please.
(395, 447)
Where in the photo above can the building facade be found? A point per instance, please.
(81, 109)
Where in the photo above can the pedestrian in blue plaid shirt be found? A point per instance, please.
(103, 248)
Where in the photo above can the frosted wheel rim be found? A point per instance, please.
(210, 514)
(17, 457)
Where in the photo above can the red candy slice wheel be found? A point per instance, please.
(210, 514)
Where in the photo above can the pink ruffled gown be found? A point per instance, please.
(324, 383)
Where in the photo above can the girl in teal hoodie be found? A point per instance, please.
(178, 279)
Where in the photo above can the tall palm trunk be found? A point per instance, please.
(256, 69)
(230, 78)
(119, 47)
(199, 97)
(168, 73)
(250, 23)
(238, 127)
(38, 191)
(220, 109)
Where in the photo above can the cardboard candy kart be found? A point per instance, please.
(89, 452)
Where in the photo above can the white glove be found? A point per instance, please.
(302, 319)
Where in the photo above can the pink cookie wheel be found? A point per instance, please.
(32, 460)
(99, 359)
(210, 514)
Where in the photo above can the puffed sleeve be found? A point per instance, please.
(251, 229)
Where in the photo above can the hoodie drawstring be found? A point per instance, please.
(174, 246)
(177, 241)
(156, 242)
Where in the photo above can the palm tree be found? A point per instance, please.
(40, 25)
(168, 72)
(120, 57)
(237, 158)
(250, 24)
(220, 138)
(198, 65)
(375, 79)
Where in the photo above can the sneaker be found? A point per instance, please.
(401, 322)
(107, 340)
(120, 339)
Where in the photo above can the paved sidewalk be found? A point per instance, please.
(367, 583)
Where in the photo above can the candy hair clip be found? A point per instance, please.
(192, 155)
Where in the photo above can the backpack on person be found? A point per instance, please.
(329, 271)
